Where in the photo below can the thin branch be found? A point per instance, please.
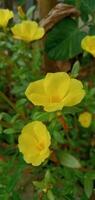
(57, 13)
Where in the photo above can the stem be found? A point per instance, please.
(5, 124)
(5, 98)
(65, 127)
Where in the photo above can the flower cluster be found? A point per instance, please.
(55, 91)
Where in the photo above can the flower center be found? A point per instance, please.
(85, 121)
(55, 99)
(40, 146)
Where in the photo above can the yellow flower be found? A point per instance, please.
(85, 119)
(28, 31)
(5, 16)
(34, 143)
(88, 44)
(55, 91)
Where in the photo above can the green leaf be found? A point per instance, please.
(43, 184)
(30, 12)
(63, 41)
(78, 4)
(39, 184)
(69, 197)
(16, 196)
(50, 195)
(92, 30)
(58, 136)
(9, 131)
(75, 69)
(71, 110)
(20, 103)
(21, 2)
(68, 160)
(72, 2)
(88, 6)
(43, 116)
(88, 185)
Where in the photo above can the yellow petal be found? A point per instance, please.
(43, 135)
(88, 44)
(37, 159)
(30, 28)
(53, 107)
(57, 84)
(26, 139)
(35, 92)
(75, 93)
(40, 159)
(5, 16)
(39, 34)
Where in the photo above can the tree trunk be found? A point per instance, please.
(45, 6)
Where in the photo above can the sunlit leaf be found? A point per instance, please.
(68, 160)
